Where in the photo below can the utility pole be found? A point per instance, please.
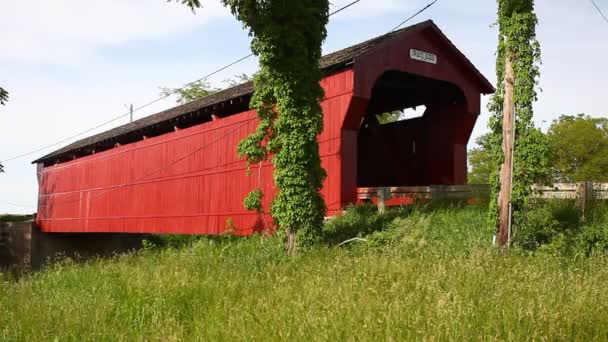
(130, 107)
(506, 170)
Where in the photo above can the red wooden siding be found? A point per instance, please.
(188, 182)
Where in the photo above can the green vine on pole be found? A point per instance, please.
(517, 40)
(287, 38)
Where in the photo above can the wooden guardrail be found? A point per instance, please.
(582, 192)
(588, 190)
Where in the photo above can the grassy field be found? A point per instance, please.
(424, 274)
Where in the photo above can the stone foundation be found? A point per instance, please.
(22, 244)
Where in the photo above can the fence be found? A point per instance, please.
(582, 192)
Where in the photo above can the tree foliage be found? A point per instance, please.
(389, 117)
(579, 148)
(517, 41)
(193, 91)
(238, 79)
(287, 38)
(200, 89)
(481, 162)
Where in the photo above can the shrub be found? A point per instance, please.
(593, 240)
(538, 227)
(556, 227)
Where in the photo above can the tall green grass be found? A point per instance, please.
(421, 274)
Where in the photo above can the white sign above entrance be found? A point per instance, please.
(422, 56)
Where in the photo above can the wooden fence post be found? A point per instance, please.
(383, 194)
(580, 195)
(584, 196)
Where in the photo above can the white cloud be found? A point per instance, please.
(64, 31)
(70, 31)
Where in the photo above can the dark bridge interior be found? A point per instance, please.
(425, 150)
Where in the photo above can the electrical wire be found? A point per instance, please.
(129, 113)
(162, 168)
(174, 91)
(343, 8)
(18, 205)
(414, 15)
(599, 10)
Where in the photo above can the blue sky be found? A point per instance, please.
(72, 64)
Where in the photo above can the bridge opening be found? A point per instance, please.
(413, 133)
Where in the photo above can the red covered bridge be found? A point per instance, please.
(178, 172)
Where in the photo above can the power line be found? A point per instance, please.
(599, 10)
(162, 168)
(343, 8)
(129, 113)
(414, 16)
(18, 205)
(174, 91)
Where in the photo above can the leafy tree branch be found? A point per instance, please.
(194, 91)
(201, 89)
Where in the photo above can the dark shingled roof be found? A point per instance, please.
(329, 63)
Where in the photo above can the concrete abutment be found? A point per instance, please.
(23, 245)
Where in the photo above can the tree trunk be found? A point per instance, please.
(506, 170)
(290, 242)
